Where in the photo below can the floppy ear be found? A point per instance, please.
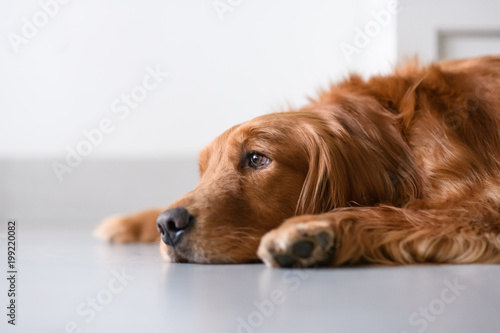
(325, 183)
(356, 157)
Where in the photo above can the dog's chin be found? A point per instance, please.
(173, 255)
(182, 256)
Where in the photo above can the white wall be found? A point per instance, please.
(445, 29)
(262, 55)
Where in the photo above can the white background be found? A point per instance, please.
(262, 57)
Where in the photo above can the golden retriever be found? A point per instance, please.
(396, 169)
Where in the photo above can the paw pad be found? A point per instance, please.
(285, 260)
(303, 248)
(298, 245)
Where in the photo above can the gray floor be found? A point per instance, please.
(69, 281)
(61, 271)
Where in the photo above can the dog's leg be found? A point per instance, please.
(386, 235)
(139, 227)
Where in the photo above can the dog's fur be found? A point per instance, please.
(397, 169)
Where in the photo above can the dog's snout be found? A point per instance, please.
(173, 223)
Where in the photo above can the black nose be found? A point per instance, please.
(173, 223)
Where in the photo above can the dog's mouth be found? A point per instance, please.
(178, 258)
(183, 255)
(179, 255)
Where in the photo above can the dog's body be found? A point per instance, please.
(398, 169)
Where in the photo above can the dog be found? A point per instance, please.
(397, 169)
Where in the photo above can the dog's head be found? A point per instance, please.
(259, 173)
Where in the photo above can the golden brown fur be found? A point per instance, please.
(397, 169)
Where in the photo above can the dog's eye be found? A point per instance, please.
(257, 161)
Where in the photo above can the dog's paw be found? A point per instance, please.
(306, 244)
(117, 229)
(139, 227)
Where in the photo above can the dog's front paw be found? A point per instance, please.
(302, 244)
